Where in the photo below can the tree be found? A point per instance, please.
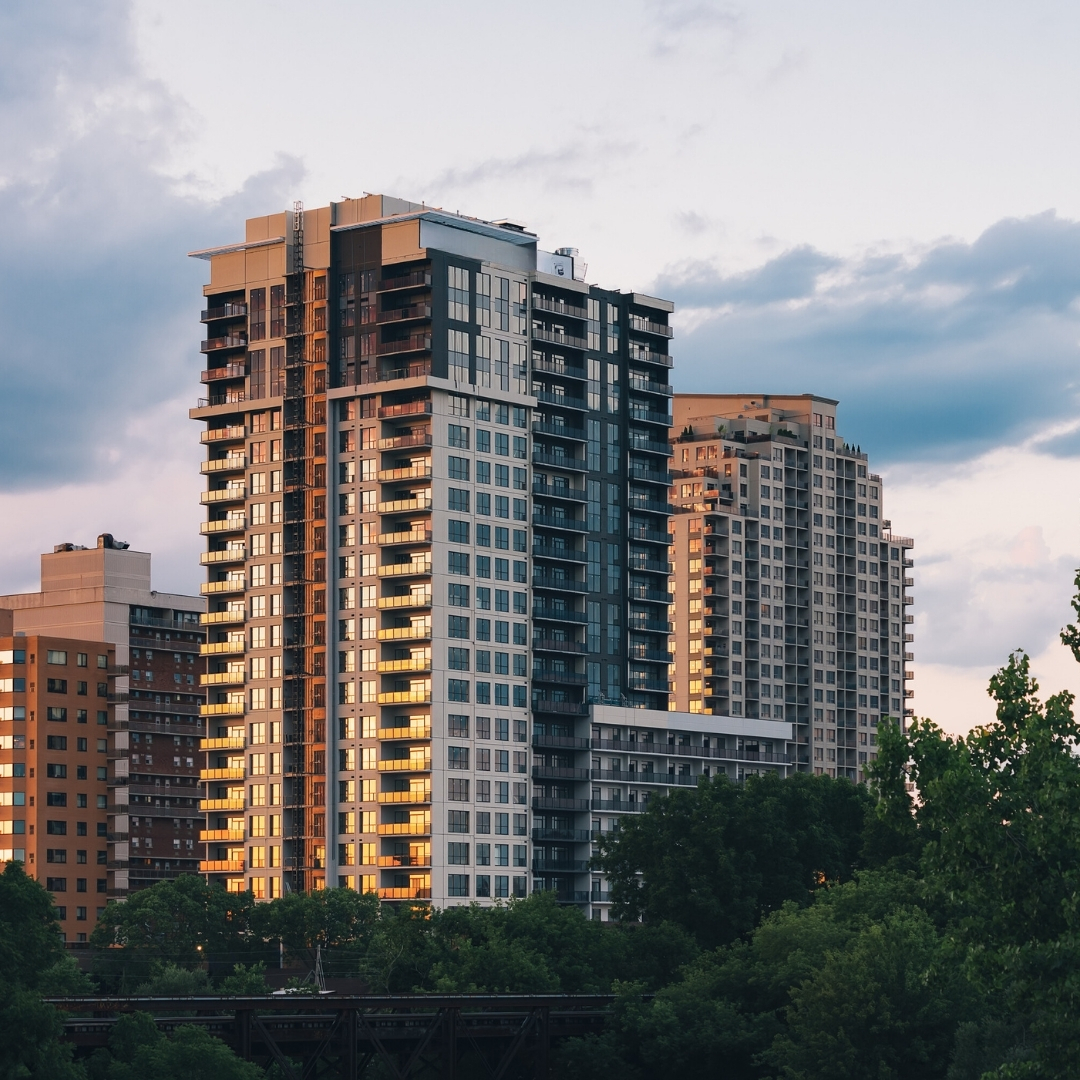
(138, 1051)
(31, 958)
(183, 921)
(714, 859)
(340, 921)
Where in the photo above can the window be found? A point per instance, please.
(458, 625)
(56, 798)
(459, 532)
(502, 854)
(458, 659)
(457, 596)
(502, 569)
(457, 283)
(458, 562)
(457, 689)
(458, 501)
(502, 475)
(457, 884)
(457, 726)
(457, 821)
(457, 853)
(483, 536)
(457, 757)
(459, 468)
(56, 656)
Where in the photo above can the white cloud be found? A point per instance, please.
(997, 544)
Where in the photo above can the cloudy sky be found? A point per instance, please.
(879, 203)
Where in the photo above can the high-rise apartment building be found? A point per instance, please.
(437, 487)
(791, 595)
(56, 704)
(104, 594)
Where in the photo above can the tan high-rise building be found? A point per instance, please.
(104, 593)
(790, 588)
(56, 707)
(436, 481)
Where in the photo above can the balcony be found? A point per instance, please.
(637, 505)
(418, 536)
(221, 434)
(221, 618)
(560, 708)
(415, 568)
(403, 860)
(222, 648)
(544, 772)
(559, 461)
(404, 828)
(218, 588)
(228, 555)
(226, 371)
(559, 521)
(223, 464)
(559, 584)
(541, 802)
(559, 646)
(214, 805)
(222, 774)
(226, 742)
(417, 504)
(402, 442)
(551, 551)
(559, 491)
(415, 663)
(221, 836)
(405, 697)
(564, 742)
(648, 416)
(416, 472)
(570, 341)
(558, 307)
(414, 600)
(558, 614)
(405, 633)
(222, 525)
(405, 765)
(227, 341)
(404, 314)
(222, 678)
(222, 708)
(413, 280)
(560, 866)
(412, 343)
(419, 370)
(403, 796)
(563, 401)
(648, 446)
(221, 866)
(225, 494)
(419, 893)
(406, 408)
(414, 731)
(559, 677)
(561, 431)
(224, 311)
(642, 325)
(553, 365)
(637, 382)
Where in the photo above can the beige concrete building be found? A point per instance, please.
(790, 588)
(104, 594)
(56, 707)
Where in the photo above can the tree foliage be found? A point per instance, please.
(715, 859)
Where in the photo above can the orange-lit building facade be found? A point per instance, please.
(790, 594)
(55, 712)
